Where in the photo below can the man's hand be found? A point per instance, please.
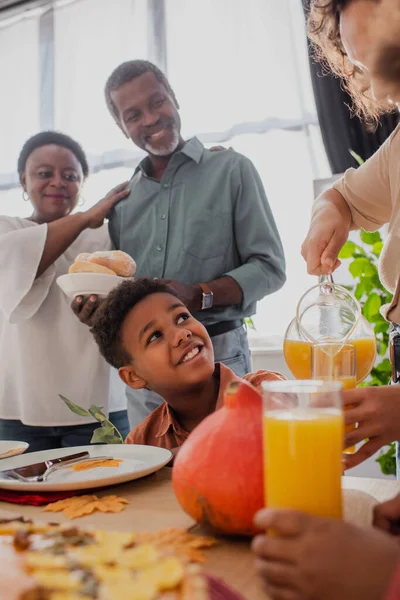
(387, 516)
(312, 558)
(85, 308)
(190, 295)
(377, 412)
(219, 148)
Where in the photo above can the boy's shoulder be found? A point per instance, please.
(149, 430)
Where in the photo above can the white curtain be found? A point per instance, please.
(240, 73)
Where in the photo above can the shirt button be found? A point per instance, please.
(166, 185)
(159, 248)
(163, 217)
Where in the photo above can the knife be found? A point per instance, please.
(37, 469)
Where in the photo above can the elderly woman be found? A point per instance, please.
(310, 557)
(45, 351)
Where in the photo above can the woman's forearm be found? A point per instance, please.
(331, 203)
(60, 235)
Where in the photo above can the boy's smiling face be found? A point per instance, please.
(171, 351)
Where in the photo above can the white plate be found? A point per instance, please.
(137, 461)
(84, 284)
(11, 448)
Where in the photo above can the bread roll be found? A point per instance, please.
(118, 261)
(84, 266)
(82, 256)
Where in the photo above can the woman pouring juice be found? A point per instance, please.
(367, 198)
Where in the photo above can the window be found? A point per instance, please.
(240, 73)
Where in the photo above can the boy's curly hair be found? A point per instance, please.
(112, 313)
(323, 25)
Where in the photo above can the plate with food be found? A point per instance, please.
(102, 465)
(59, 562)
(97, 273)
(9, 448)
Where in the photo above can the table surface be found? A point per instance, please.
(153, 506)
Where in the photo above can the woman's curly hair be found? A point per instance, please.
(323, 25)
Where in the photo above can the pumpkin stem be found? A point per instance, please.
(240, 393)
(230, 394)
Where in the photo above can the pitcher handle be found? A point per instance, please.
(326, 283)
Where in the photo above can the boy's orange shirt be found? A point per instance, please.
(161, 427)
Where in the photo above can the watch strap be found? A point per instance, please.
(207, 296)
(205, 288)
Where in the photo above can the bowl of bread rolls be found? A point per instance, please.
(97, 273)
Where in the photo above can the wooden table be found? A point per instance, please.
(153, 506)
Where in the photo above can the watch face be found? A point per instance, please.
(207, 301)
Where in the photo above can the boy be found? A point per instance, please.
(148, 334)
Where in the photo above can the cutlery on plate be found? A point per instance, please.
(39, 472)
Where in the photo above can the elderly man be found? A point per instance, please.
(196, 219)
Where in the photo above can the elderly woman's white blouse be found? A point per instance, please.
(44, 349)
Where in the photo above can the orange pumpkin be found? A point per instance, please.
(218, 472)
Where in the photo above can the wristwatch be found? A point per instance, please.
(207, 296)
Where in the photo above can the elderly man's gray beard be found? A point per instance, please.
(164, 150)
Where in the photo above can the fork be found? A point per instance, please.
(43, 477)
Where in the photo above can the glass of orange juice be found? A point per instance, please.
(303, 439)
(338, 362)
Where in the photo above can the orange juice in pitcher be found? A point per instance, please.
(297, 351)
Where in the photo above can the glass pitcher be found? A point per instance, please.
(328, 312)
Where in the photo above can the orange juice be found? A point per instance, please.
(303, 460)
(298, 357)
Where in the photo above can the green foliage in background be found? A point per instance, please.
(371, 294)
(248, 321)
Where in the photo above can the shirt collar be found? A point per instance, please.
(193, 149)
(167, 420)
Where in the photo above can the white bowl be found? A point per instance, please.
(84, 284)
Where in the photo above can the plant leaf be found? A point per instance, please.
(361, 266)
(384, 366)
(377, 248)
(113, 440)
(387, 460)
(370, 237)
(360, 289)
(250, 323)
(348, 250)
(360, 161)
(103, 434)
(372, 306)
(82, 412)
(97, 412)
